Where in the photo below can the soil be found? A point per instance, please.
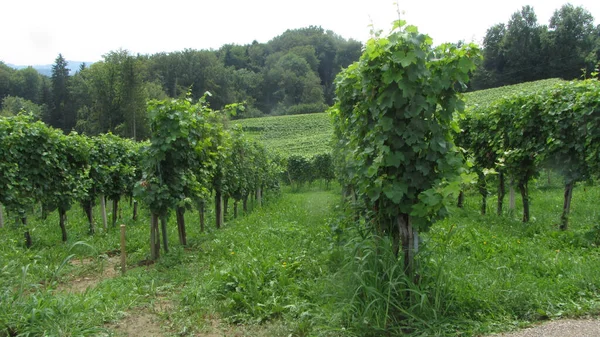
(560, 328)
(79, 284)
(140, 324)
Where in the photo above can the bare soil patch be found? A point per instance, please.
(139, 324)
(559, 328)
(145, 321)
(220, 329)
(95, 270)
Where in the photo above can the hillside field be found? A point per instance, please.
(311, 134)
(305, 135)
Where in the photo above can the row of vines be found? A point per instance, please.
(303, 170)
(191, 157)
(516, 136)
(405, 147)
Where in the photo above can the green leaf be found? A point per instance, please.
(395, 191)
(394, 159)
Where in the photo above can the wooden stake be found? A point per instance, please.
(511, 199)
(123, 251)
(103, 212)
(154, 238)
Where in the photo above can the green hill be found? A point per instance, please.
(487, 96)
(305, 135)
(311, 134)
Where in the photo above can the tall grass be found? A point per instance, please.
(301, 266)
(477, 274)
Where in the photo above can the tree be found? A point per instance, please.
(5, 74)
(12, 106)
(26, 83)
(572, 42)
(60, 115)
(332, 52)
(522, 45)
(294, 83)
(117, 101)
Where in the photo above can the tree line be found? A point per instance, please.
(292, 73)
(523, 50)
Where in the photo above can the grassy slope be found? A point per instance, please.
(305, 135)
(503, 273)
(259, 267)
(311, 134)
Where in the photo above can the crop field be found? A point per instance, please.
(487, 96)
(311, 134)
(305, 135)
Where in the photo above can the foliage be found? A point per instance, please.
(572, 110)
(523, 50)
(15, 105)
(35, 163)
(67, 176)
(112, 97)
(393, 122)
(299, 171)
(61, 115)
(180, 159)
(304, 135)
(323, 167)
(545, 126)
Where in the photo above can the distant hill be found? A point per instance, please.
(304, 135)
(46, 69)
(311, 134)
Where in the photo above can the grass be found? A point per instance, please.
(259, 268)
(304, 135)
(504, 273)
(311, 134)
(300, 266)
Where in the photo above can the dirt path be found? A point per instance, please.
(139, 324)
(98, 271)
(559, 328)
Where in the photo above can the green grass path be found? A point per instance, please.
(264, 266)
(259, 267)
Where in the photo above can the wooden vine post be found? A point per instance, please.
(123, 251)
(103, 212)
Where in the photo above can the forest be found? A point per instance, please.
(291, 74)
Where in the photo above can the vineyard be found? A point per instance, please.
(384, 216)
(303, 135)
(310, 134)
(488, 96)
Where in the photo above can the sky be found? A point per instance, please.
(34, 32)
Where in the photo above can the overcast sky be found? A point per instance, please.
(35, 31)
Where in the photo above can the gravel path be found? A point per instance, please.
(560, 328)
